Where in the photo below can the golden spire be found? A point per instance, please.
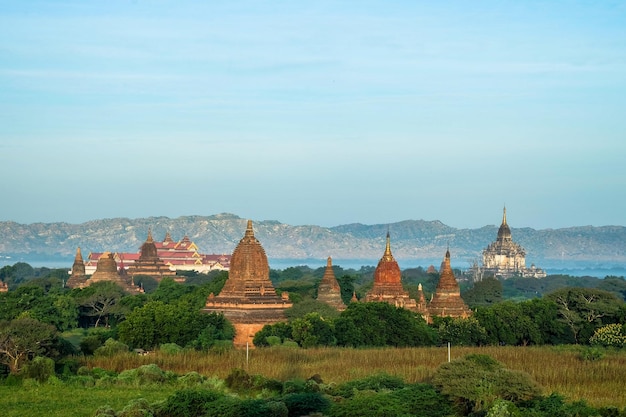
(504, 216)
(388, 247)
(149, 239)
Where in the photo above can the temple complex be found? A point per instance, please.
(182, 255)
(149, 263)
(106, 271)
(77, 276)
(248, 298)
(505, 258)
(447, 301)
(388, 283)
(328, 290)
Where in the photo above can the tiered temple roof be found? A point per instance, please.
(388, 282)
(149, 263)
(328, 290)
(447, 301)
(77, 277)
(248, 298)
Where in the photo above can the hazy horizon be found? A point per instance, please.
(325, 113)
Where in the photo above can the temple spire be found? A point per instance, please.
(504, 216)
(149, 239)
(249, 231)
(329, 262)
(388, 246)
(79, 256)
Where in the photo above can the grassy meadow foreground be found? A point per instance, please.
(567, 370)
(556, 369)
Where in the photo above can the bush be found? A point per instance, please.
(39, 369)
(137, 408)
(144, 375)
(190, 379)
(187, 403)
(89, 344)
(378, 382)
(111, 348)
(170, 348)
(591, 354)
(305, 403)
(611, 335)
(369, 404)
(239, 380)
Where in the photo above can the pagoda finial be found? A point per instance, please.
(388, 246)
(249, 231)
(149, 239)
(504, 215)
(79, 256)
(329, 262)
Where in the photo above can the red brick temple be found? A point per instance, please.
(248, 298)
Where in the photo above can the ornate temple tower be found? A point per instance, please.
(447, 301)
(78, 277)
(505, 258)
(328, 290)
(248, 298)
(388, 282)
(149, 262)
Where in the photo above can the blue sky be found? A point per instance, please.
(326, 113)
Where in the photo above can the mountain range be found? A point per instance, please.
(421, 241)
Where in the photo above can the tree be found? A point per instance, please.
(100, 301)
(506, 323)
(23, 339)
(585, 309)
(381, 324)
(460, 332)
(484, 293)
(312, 330)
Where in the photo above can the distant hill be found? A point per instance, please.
(410, 239)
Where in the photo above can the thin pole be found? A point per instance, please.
(448, 351)
(248, 356)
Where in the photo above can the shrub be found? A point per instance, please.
(239, 380)
(111, 348)
(190, 379)
(611, 335)
(137, 408)
(187, 403)
(89, 344)
(369, 404)
(476, 381)
(423, 400)
(304, 403)
(377, 382)
(170, 348)
(591, 354)
(39, 369)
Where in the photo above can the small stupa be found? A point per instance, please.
(388, 282)
(328, 290)
(78, 278)
(248, 298)
(447, 301)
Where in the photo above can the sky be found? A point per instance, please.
(314, 113)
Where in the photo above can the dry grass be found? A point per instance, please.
(556, 369)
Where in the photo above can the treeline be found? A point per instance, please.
(171, 313)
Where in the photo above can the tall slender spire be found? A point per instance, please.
(149, 239)
(388, 246)
(504, 216)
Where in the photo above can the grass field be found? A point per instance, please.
(556, 369)
(61, 400)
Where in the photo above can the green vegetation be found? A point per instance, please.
(371, 359)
